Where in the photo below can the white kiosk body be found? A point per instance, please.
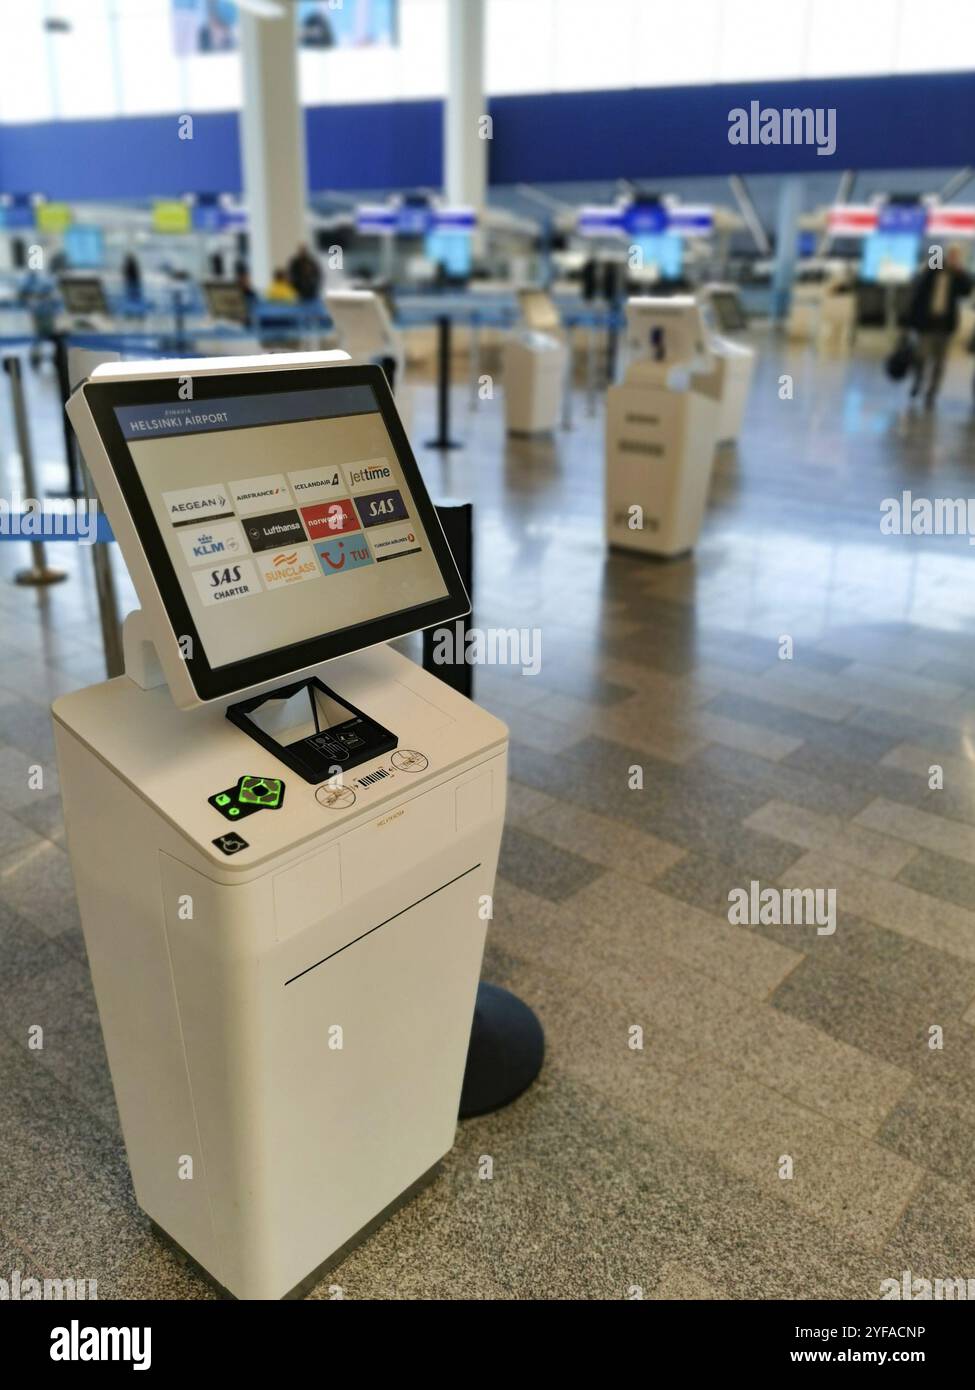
(534, 364)
(735, 361)
(284, 908)
(367, 333)
(661, 423)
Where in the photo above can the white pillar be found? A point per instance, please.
(272, 138)
(465, 152)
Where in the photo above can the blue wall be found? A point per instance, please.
(923, 121)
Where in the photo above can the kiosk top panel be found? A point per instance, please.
(271, 520)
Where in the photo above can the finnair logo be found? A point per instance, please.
(792, 125)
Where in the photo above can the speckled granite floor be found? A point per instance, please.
(621, 1170)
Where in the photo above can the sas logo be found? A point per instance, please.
(344, 553)
(227, 582)
(207, 543)
(290, 567)
(380, 507)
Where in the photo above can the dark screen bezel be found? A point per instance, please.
(211, 683)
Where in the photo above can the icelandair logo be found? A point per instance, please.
(792, 125)
(77, 1343)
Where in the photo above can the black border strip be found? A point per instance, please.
(381, 924)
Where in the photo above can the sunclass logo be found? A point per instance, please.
(756, 906)
(908, 515)
(792, 125)
(908, 1286)
(64, 519)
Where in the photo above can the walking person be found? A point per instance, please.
(933, 316)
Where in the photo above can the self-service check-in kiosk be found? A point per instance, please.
(535, 359)
(660, 428)
(367, 333)
(735, 361)
(283, 833)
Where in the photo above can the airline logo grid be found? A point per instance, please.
(326, 506)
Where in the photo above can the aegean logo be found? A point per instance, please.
(793, 125)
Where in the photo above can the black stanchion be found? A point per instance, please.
(507, 1045)
(73, 488)
(443, 439)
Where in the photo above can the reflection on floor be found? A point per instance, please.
(654, 1169)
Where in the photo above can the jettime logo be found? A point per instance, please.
(792, 125)
(340, 555)
(369, 473)
(290, 567)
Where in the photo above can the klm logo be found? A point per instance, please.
(206, 545)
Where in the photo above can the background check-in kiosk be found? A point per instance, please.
(367, 333)
(660, 428)
(735, 360)
(283, 832)
(85, 302)
(535, 363)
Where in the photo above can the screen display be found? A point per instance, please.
(286, 515)
(662, 255)
(450, 249)
(83, 295)
(890, 258)
(84, 246)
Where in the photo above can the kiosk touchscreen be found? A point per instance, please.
(297, 827)
(84, 296)
(367, 333)
(226, 302)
